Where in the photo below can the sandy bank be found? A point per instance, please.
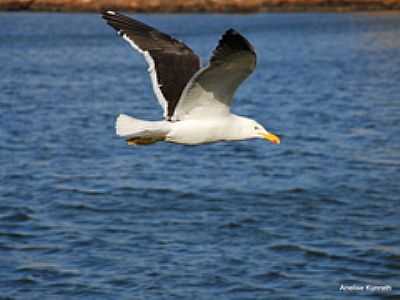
(201, 5)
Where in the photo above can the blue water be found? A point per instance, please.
(84, 216)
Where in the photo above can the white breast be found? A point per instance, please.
(194, 132)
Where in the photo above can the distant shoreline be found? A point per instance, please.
(202, 6)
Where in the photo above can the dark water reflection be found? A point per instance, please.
(84, 216)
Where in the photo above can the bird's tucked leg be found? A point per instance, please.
(140, 141)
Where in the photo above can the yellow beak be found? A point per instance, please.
(271, 137)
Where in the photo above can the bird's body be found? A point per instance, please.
(196, 101)
(190, 132)
(213, 130)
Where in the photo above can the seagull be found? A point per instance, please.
(196, 100)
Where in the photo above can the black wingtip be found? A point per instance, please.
(230, 31)
(235, 40)
(109, 12)
(110, 17)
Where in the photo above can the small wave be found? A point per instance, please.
(248, 220)
(249, 289)
(273, 275)
(394, 258)
(297, 190)
(149, 191)
(4, 247)
(231, 225)
(85, 207)
(47, 269)
(7, 298)
(309, 225)
(92, 242)
(83, 191)
(393, 262)
(123, 189)
(329, 200)
(378, 161)
(16, 217)
(305, 250)
(39, 248)
(122, 281)
(25, 280)
(285, 247)
(239, 223)
(16, 235)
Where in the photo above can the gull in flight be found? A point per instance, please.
(196, 101)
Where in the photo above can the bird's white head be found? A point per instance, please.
(253, 129)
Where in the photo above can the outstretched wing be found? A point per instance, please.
(171, 63)
(211, 89)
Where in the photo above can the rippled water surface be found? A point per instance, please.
(84, 216)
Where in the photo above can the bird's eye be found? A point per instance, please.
(256, 127)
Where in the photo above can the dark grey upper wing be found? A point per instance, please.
(171, 63)
(211, 89)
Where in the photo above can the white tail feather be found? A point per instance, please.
(128, 127)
